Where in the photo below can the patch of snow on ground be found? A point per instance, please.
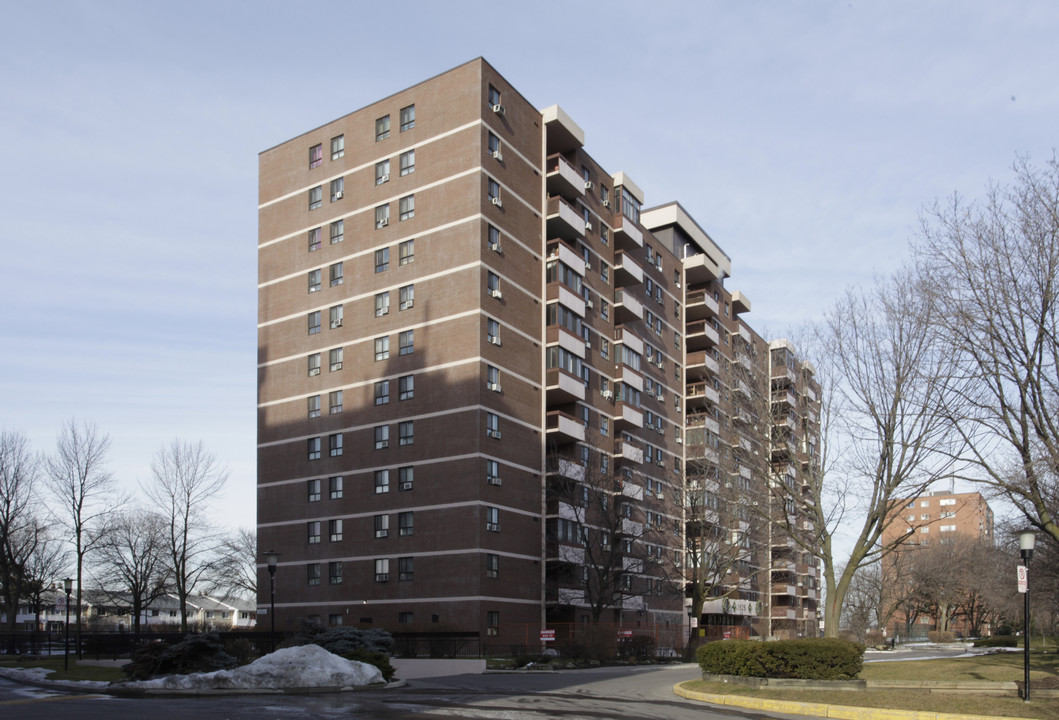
(294, 667)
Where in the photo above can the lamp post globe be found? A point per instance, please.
(1027, 538)
(272, 558)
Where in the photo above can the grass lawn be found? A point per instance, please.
(76, 672)
(998, 668)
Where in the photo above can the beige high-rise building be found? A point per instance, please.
(471, 378)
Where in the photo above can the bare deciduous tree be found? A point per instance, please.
(132, 560)
(992, 268)
(19, 528)
(186, 476)
(234, 572)
(883, 426)
(84, 492)
(47, 562)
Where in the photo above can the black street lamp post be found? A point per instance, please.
(68, 585)
(1026, 540)
(272, 557)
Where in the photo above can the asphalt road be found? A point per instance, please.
(597, 694)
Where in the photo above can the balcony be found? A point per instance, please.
(700, 305)
(631, 490)
(625, 374)
(744, 333)
(629, 339)
(700, 269)
(571, 596)
(701, 396)
(701, 335)
(567, 469)
(562, 428)
(570, 554)
(626, 270)
(562, 387)
(564, 180)
(785, 398)
(626, 235)
(568, 298)
(630, 452)
(700, 365)
(559, 250)
(563, 221)
(629, 417)
(632, 528)
(626, 307)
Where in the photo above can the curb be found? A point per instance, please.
(844, 712)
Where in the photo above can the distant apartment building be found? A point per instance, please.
(482, 367)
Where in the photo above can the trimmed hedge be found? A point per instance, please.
(806, 658)
(997, 641)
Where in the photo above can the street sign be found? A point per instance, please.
(1023, 579)
(547, 635)
(625, 633)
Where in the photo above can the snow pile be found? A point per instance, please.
(295, 667)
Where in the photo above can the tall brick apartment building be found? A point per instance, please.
(479, 360)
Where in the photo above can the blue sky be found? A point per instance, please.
(805, 137)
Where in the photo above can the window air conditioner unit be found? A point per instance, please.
(498, 155)
(382, 533)
(495, 480)
(336, 324)
(588, 184)
(382, 577)
(498, 109)
(660, 496)
(660, 364)
(497, 202)
(495, 434)
(588, 343)
(495, 387)
(383, 223)
(588, 225)
(314, 371)
(494, 246)
(606, 203)
(385, 178)
(406, 485)
(494, 341)
(492, 527)
(497, 294)
(588, 304)
(607, 394)
(680, 441)
(338, 195)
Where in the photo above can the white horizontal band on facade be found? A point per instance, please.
(403, 508)
(361, 602)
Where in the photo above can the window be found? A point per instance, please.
(335, 314)
(492, 623)
(407, 207)
(338, 147)
(382, 172)
(494, 239)
(406, 342)
(334, 444)
(382, 348)
(314, 239)
(382, 437)
(492, 378)
(338, 185)
(405, 524)
(334, 530)
(334, 357)
(382, 128)
(382, 219)
(382, 570)
(604, 272)
(334, 619)
(405, 569)
(314, 322)
(338, 231)
(492, 425)
(314, 364)
(494, 96)
(406, 251)
(492, 284)
(382, 392)
(494, 192)
(406, 479)
(630, 206)
(408, 162)
(494, 146)
(312, 573)
(408, 117)
(604, 195)
(382, 304)
(407, 297)
(604, 426)
(604, 309)
(406, 387)
(336, 274)
(334, 487)
(382, 526)
(492, 472)
(406, 432)
(316, 197)
(315, 280)
(334, 402)
(314, 490)
(316, 156)
(492, 331)
(314, 448)
(313, 532)
(604, 348)
(404, 618)
(314, 406)
(492, 519)
(382, 481)
(492, 565)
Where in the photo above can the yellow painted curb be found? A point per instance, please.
(840, 712)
